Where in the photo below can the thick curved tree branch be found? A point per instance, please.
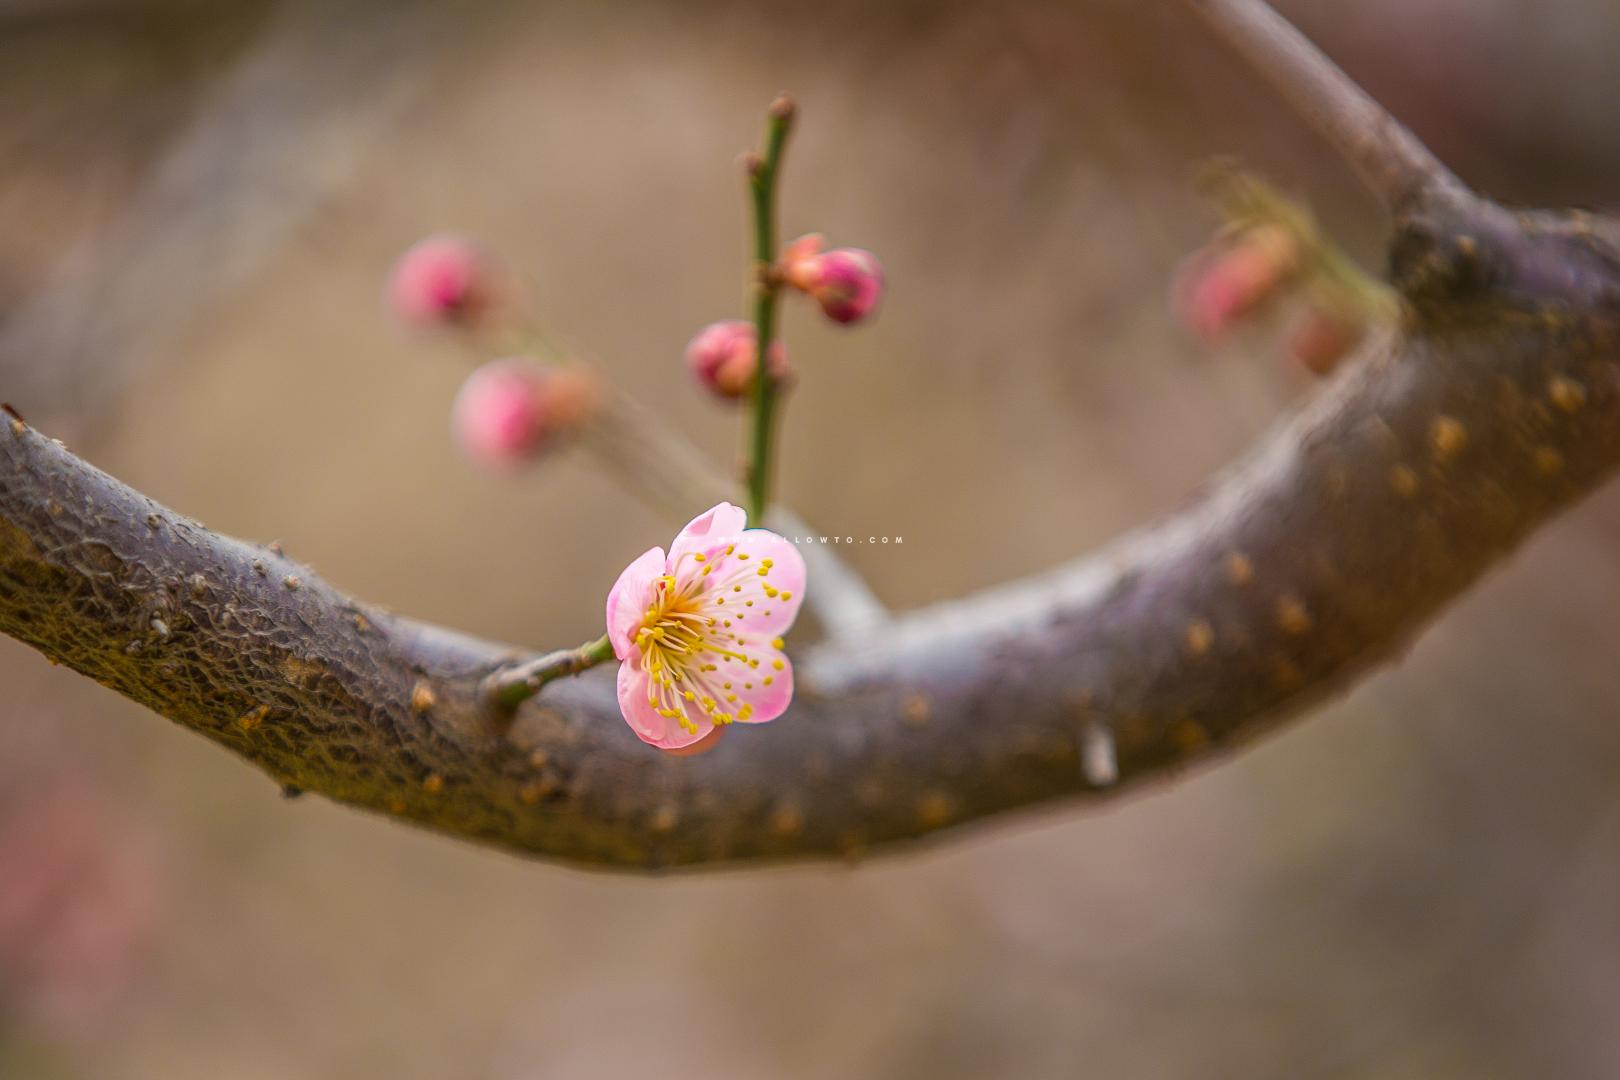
(1495, 404)
(1494, 407)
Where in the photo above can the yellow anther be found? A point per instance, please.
(699, 557)
(767, 563)
(769, 679)
(744, 555)
(778, 665)
(764, 570)
(787, 596)
(777, 643)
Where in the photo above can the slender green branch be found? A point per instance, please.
(509, 687)
(762, 177)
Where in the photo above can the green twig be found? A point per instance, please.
(510, 687)
(762, 178)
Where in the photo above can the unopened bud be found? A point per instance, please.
(510, 411)
(443, 280)
(1221, 286)
(846, 282)
(723, 357)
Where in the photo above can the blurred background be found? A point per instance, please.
(199, 206)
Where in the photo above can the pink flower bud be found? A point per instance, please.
(846, 282)
(1321, 339)
(723, 357)
(443, 280)
(509, 411)
(800, 261)
(1219, 287)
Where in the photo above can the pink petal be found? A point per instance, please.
(701, 747)
(737, 591)
(723, 520)
(629, 599)
(643, 717)
(769, 700)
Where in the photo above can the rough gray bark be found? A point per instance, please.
(1494, 405)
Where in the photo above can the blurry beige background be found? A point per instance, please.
(198, 208)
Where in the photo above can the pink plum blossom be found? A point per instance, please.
(724, 355)
(846, 282)
(443, 279)
(698, 632)
(511, 410)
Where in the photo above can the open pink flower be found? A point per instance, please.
(699, 631)
(846, 282)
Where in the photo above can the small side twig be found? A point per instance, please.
(650, 459)
(510, 687)
(1387, 156)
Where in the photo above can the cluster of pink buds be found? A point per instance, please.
(848, 284)
(1247, 270)
(510, 411)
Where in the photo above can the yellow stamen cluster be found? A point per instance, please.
(683, 640)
